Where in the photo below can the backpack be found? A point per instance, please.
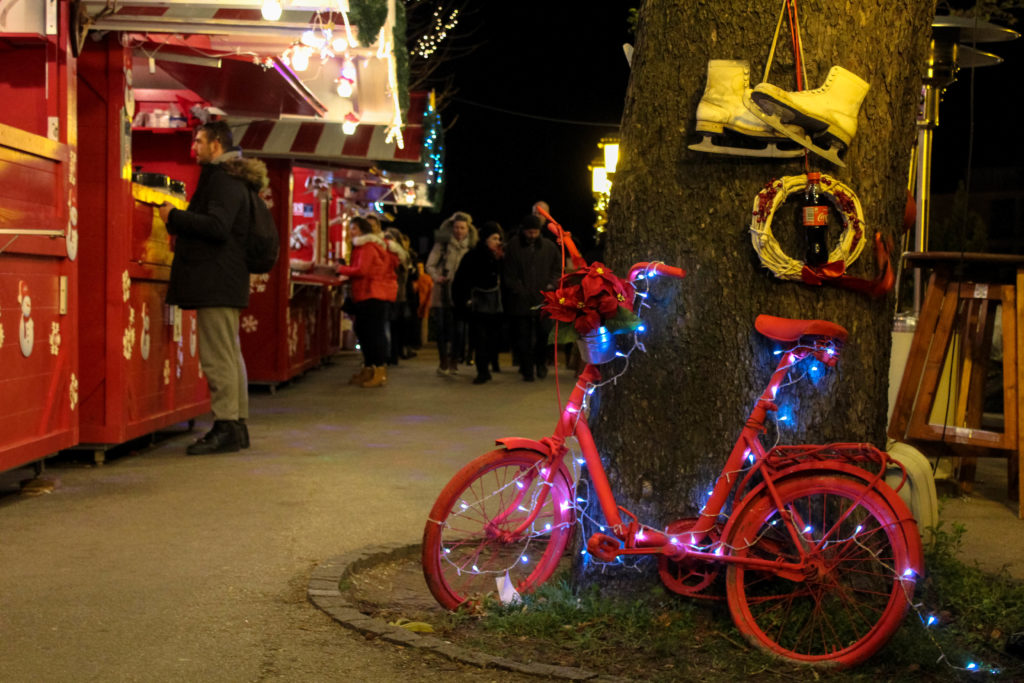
(262, 242)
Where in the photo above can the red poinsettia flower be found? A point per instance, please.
(589, 298)
(563, 304)
(588, 320)
(600, 278)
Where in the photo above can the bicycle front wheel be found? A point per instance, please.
(850, 596)
(477, 541)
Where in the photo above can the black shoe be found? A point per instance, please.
(243, 434)
(542, 371)
(225, 437)
(480, 379)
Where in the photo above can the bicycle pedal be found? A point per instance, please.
(604, 547)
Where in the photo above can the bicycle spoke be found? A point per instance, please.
(849, 600)
(473, 540)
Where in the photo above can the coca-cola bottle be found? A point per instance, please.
(814, 219)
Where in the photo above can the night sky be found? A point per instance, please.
(535, 61)
(565, 61)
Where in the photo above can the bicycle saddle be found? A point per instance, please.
(788, 329)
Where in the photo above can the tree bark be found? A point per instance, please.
(665, 428)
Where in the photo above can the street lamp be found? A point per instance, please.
(602, 172)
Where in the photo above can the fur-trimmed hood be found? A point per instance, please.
(252, 172)
(443, 235)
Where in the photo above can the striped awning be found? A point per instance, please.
(315, 140)
(319, 141)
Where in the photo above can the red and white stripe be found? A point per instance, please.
(306, 139)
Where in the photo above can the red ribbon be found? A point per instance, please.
(833, 274)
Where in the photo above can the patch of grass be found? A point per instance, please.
(661, 636)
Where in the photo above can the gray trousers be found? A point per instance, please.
(220, 355)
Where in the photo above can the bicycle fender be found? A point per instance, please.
(517, 442)
(542, 449)
(913, 535)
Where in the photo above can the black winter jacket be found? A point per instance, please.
(479, 268)
(209, 257)
(528, 270)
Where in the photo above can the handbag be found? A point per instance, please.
(486, 300)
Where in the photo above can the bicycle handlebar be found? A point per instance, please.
(639, 271)
(563, 237)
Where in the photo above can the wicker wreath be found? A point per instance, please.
(769, 199)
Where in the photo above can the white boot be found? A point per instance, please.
(726, 126)
(827, 115)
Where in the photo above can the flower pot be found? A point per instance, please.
(597, 347)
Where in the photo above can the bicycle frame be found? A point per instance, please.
(817, 553)
(633, 538)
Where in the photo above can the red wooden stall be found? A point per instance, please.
(143, 370)
(39, 381)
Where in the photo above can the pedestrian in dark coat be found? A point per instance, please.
(532, 264)
(476, 291)
(209, 274)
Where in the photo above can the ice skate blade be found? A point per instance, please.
(770, 151)
(798, 135)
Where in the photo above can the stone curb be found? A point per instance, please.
(324, 591)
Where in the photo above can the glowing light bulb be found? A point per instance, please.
(641, 328)
(339, 44)
(475, 569)
(300, 59)
(344, 88)
(808, 529)
(641, 536)
(909, 573)
(349, 127)
(547, 527)
(524, 559)
(271, 10)
(520, 484)
(859, 529)
(931, 620)
(971, 666)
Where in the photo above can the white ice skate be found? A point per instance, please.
(726, 126)
(822, 120)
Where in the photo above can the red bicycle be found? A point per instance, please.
(819, 554)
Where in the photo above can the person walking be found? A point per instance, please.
(373, 288)
(476, 291)
(456, 236)
(209, 274)
(532, 264)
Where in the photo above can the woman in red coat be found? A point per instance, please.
(373, 287)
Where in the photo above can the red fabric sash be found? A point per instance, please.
(833, 273)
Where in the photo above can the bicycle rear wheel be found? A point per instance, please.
(850, 597)
(471, 545)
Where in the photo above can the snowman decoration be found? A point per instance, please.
(144, 341)
(26, 326)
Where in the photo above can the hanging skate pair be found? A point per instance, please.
(767, 121)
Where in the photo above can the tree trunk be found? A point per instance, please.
(666, 427)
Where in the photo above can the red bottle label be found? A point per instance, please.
(815, 215)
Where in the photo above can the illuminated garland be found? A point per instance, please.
(428, 44)
(767, 247)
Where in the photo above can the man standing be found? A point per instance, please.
(532, 265)
(209, 274)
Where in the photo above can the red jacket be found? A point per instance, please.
(372, 270)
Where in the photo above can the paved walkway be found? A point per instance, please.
(162, 567)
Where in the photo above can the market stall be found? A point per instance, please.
(39, 361)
